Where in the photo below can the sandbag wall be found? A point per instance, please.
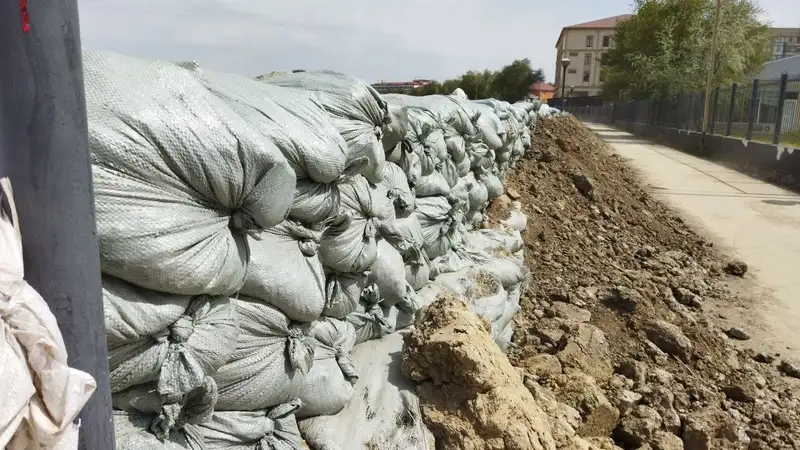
(253, 233)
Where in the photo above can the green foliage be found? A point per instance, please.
(511, 83)
(663, 50)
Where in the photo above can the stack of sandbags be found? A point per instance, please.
(194, 175)
(255, 234)
(356, 109)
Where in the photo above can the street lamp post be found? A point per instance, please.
(565, 62)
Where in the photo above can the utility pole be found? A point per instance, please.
(44, 151)
(711, 65)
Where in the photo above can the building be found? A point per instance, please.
(784, 42)
(399, 87)
(543, 91)
(584, 44)
(769, 88)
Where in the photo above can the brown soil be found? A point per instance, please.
(598, 242)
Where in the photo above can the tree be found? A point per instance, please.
(663, 50)
(511, 83)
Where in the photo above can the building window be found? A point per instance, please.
(572, 71)
(606, 41)
(589, 41)
(586, 76)
(587, 59)
(573, 54)
(602, 76)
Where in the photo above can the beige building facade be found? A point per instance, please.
(784, 42)
(584, 45)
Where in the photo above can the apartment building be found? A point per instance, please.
(784, 42)
(584, 44)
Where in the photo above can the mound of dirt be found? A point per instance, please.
(612, 325)
(471, 397)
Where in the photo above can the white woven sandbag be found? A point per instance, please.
(356, 109)
(490, 126)
(349, 244)
(478, 194)
(329, 384)
(432, 185)
(271, 429)
(272, 357)
(286, 272)
(343, 292)
(143, 420)
(398, 189)
(418, 270)
(494, 187)
(384, 413)
(460, 192)
(508, 239)
(395, 131)
(473, 218)
(178, 177)
(41, 395)
(370, 321)
(297, 125)
(388, 273)
(439, 220)
(314, 202)
(181, 356)
(133, 313)
(426, 138)
(404, 156)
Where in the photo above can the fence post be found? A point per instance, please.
(751, 116)
(687, 119)
(730, 110)
(714, 111)
(776, 138)
(699, 121)
(44, 151)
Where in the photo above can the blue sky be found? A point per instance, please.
(372, 39)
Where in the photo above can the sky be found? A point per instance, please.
(376, 40)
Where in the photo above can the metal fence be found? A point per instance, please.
(761, 110)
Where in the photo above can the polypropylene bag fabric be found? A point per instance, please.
(133, 313)
(271, 429)
(370, 320)
(384, 413)
(478, 194)
(272, 357)
(297, 125)
(314, 202)
(439, 220)
(178, 177)
(343, 292)
(286, 272)
(490, 126)
(329, 384)
(388, 273)
(181, 356)
(398, 189)
(349, 244)
(432, 185)
(404, 156)
(142, 420)
(356, 109)
(42, 395)
(494, 187)
(426, 138)
(395, 131)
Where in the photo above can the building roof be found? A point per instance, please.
(542, 87)
(773, 70)
(606, 23)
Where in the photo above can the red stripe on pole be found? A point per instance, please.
(23, 9)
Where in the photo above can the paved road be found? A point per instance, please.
(752, 220)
